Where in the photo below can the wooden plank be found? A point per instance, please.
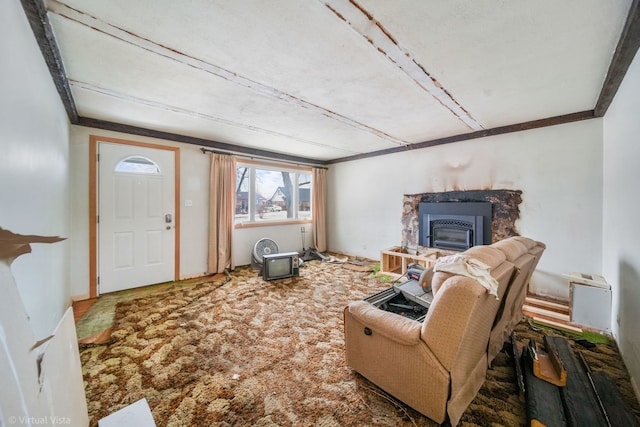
(547, 313)
(526, 312)
(533, 124)
(39, 21)
(626, 49)
(618, 412)
(548, 366)
(543, 400)
(550, 305)
(558, 325)
(247, 151)
(558, 366)
(579, 401)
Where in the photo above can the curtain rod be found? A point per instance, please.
(246, 156)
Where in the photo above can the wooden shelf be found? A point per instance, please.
(395, 261)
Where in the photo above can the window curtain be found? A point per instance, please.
(319, 206)
(221, 210)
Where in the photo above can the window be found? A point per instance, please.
(137, 164)
(267, 193)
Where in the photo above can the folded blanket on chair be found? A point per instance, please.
(470, 267)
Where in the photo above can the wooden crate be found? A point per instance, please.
(395, 261)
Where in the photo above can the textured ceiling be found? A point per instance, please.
(333, 79)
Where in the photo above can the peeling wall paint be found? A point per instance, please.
(34, 169)
(30, 381)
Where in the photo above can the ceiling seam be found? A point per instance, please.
(175, 109)
(363, 23)
(65, 11)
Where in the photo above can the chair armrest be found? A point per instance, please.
(393, 326)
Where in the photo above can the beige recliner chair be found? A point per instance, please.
(524, 254)
(437, 366)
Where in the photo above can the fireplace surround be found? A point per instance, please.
(505, 212)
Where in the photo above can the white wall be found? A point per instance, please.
(194, 182)
(558, 169)
(34, 199)
(287, 237)
(621, 248)
(34, 169)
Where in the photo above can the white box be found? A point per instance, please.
(590, 306)
(138, 414)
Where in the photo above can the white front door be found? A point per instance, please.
(136, 207)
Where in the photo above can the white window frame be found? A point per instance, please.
(252, 166)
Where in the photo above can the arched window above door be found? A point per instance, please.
(137, 164)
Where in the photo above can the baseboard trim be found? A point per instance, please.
(80, 297)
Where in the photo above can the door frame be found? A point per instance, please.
(93, 204)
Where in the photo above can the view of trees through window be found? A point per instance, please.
(264, 193)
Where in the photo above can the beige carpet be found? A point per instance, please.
(255, 353)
